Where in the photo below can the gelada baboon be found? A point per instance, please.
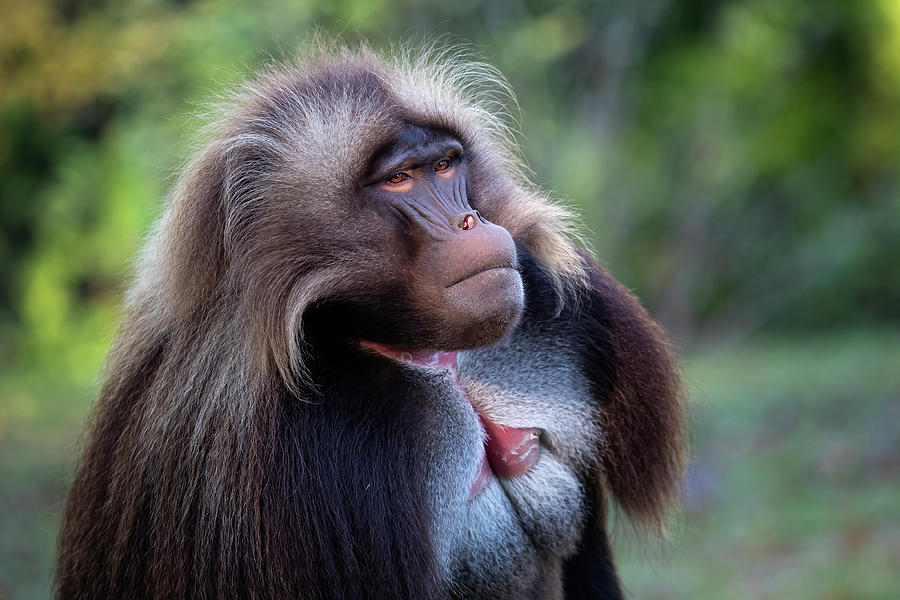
(363, 358)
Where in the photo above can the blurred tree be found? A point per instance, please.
(736, 162)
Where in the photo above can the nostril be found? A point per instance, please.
(468, 222)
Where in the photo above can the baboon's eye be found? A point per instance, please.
(442, 165)
(398, 178)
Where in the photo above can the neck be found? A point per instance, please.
(509, 451)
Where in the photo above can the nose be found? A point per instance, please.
(468, 220)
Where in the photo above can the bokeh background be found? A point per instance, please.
(737, 163)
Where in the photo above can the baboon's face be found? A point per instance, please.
(448, 278)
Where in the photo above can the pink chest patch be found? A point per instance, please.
(508, 451)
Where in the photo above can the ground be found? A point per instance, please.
(793, 490)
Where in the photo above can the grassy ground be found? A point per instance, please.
(794, 489)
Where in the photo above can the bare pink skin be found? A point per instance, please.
(511, 451)
(508, 451)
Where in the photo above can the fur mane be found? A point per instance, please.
(199, 451)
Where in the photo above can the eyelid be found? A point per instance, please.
(403, 177)
(452, 160)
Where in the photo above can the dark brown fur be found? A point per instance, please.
(210, 463)
(643, 415)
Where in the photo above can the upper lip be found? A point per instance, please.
(507, 264)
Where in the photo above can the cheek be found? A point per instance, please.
(379, 244)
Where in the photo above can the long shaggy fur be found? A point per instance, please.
(207, 469)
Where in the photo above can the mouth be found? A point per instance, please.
(506, 266)
(508, 451)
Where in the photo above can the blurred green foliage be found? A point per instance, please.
(793, 487)
(737, 163)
